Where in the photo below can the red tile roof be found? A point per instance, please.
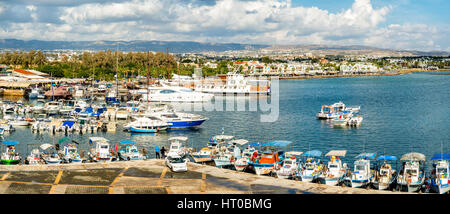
(24, 72)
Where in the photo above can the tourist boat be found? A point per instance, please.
(327, 111)
(312, 167)
(179, 119)
(10, 157)
(175, 94)
(289, 167)
(102, 150)
(247, 156)
(176, 146)
(439, 176)
(147, 125)
(412, 175)
(362, 174)
(385, 177)
(129, 151)
(34, 158)
(335, 171)
(52, 108)
(71, 155)
(270, 159)
(235, 83)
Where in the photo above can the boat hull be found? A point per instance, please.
(263, 169)
(137, 130)
(410, 187)
(441, 189)
(10, 162)
(186, 124)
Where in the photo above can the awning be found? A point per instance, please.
(387, 157)
(10, 142)
(223, 137)
(255, 144)
(240, 141)
(294, 153)
(339, 153)
(313, 153)
(180, 138)
(97, 139)
(441, 157)
(366, 155)
(127, 141)
(413, 156)
(279, 143)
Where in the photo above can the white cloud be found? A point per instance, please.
(240, 21)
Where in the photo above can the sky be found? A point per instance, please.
(393, 24)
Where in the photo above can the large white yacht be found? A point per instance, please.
(175, 94)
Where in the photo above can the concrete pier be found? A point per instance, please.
(150, 177)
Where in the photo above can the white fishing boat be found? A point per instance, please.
(175, 94)
(362, 174)
(102, 151)
(439, 176)
(289, 167)
(412, 175)
(20, 121)
(52, 158)
(207, 153)
(176, 146)
(355, 119)
(326, 112)
(71, 155)
(243, 160)
(385, 177)
(335, 171)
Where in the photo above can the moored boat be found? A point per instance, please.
(10, 156)
(362, 174)
(412, 175)
(335, 171)
(440, 181)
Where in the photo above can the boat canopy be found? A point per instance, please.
(280, 143)
(415, 156)
(64, 139)
(387, 157)
(338, 153)
(10, 142)
(366, 155)
(294, 153)
(46, 146)
(240, 141)
(314, 153)
(68, 123)
(97, 139)
(441, 157)
(127, 141)
(223, 137)
(180, 138)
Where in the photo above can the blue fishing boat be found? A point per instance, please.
(439, 181)
(385, 177)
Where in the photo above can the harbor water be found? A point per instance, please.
(402, 114)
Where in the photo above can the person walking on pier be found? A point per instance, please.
(157, 152)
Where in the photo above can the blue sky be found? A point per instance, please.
(393, 24)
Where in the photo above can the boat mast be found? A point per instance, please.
(117, 70)
(51, 78)
(148, 73)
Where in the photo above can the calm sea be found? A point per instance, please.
(405, 113)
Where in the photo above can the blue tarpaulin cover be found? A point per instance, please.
(387, 157)
(10, 142)
(255, 144)
(314, 153)
(441, 157)
(127, 141)
(366, 155)
(68, 123)
(279, 143)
